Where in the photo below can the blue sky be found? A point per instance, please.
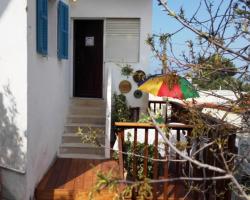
(165, 24)
(162, 23)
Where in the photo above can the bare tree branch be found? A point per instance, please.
(200, 33)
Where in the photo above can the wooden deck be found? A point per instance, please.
(72, 179)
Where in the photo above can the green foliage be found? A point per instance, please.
(245, 180)
(217, 72)
(246, 87)
(145, 118)
(120, 109)
(127, 70)
(106, 181)
(143, 189)
(139, 150)
(128, 159)
(158, 45)
(242, 16)
(120, 112)
(215, 84)
(217, 66)
(89, 135)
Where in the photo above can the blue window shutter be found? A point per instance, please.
(66, 32)
(42, 26)
(59, 24)
(62, 30)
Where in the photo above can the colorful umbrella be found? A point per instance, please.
(169, 85)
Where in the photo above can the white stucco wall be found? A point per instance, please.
(35, 90)
(13, 97)
(210, 97)
(102, 9)
(48, 98)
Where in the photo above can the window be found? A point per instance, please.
(122, 40)
(62, 30)
(42, 26)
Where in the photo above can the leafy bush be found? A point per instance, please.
(128, 147)
(120, 113)
(145, 118)
(120, 109)
(128, 159)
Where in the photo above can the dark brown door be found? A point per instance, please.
(88, 58)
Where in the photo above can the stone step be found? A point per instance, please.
(73, 127)
(82, 156)
(87, 110)
(88, 114)
(87, 119)
(88, 102)
(76, 148)
(73, 138)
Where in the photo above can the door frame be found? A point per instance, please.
(72, 70)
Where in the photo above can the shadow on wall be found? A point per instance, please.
(11, 143)
(3, 6)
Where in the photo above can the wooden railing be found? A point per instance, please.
(154, 105)
(169, 165)
(162, 162)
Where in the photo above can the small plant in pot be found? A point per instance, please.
(127, 70)
(120, 112)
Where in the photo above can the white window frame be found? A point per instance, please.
(120, 32)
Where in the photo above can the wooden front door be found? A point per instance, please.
(88, 58)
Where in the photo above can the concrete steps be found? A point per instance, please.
(87, 119)
(87, 110)
(78, 148)
(89, 115)
(88, 102)
(82, 156)
(73, 127)
(73, 138)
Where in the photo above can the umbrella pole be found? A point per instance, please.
(166, 113)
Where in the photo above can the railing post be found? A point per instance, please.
(232, 149)
(120, 145)
(196, 170)
(155, 165)
(189, 132)
(149, 104)
(134, 157)
(145, 168)
(165, 186)
(177, 165)
(167, 193)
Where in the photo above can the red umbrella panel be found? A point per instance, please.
(169, 85)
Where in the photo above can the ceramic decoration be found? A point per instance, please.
(125, 86)
(139, 76)
(137, 94)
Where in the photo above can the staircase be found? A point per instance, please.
(85, 114)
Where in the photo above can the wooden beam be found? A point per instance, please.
(151, 125)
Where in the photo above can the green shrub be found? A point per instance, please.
(120, 113)
(128, 147)
(120, 109)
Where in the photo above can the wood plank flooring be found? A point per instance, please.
(73, 179)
